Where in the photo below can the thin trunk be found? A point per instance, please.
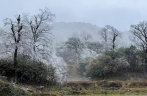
(34, 51)
(146, 60)
(113, 45)
(34, 42)
(15, 63)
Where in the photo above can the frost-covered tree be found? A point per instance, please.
(104, 33)
(30, 36)
(15, 33)
(95, 46)
(75, 44)
(109, 36)
(85, 36)
(61, 69)
(39, 27)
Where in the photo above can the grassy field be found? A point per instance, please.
(99, 88)
(83, 88)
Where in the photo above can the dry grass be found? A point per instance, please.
(91, 88)
(114, 88)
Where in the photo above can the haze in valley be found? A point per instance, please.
(79, 16)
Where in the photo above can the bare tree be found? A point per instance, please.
(16, 32)
(109, 35)
(104, 33)
(85, 36)
(40, 25)
(139, 33)
(115, 34)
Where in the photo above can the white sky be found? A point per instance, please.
(118, 13)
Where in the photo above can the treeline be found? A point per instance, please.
(107, 57)
(26, 50)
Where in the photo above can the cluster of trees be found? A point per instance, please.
(27, 38)
(26, 44)
(105, 58)
(118, 62)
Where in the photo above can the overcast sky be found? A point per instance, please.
(118, 13)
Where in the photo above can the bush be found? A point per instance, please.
(132, 55)
(99, 67)
(28, 71)
(104, 66)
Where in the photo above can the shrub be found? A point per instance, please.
(29, 71)
(105, 65)
(132, 55)
(98, 67)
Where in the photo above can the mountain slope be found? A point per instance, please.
(62, 31)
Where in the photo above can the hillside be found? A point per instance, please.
(63, 30)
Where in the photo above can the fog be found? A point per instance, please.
(120, 14)
(62, 31)
(79, 16)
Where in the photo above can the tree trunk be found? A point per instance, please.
(145, 60)
(34, 52)
(15, 64)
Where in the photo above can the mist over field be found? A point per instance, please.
(73, 47)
